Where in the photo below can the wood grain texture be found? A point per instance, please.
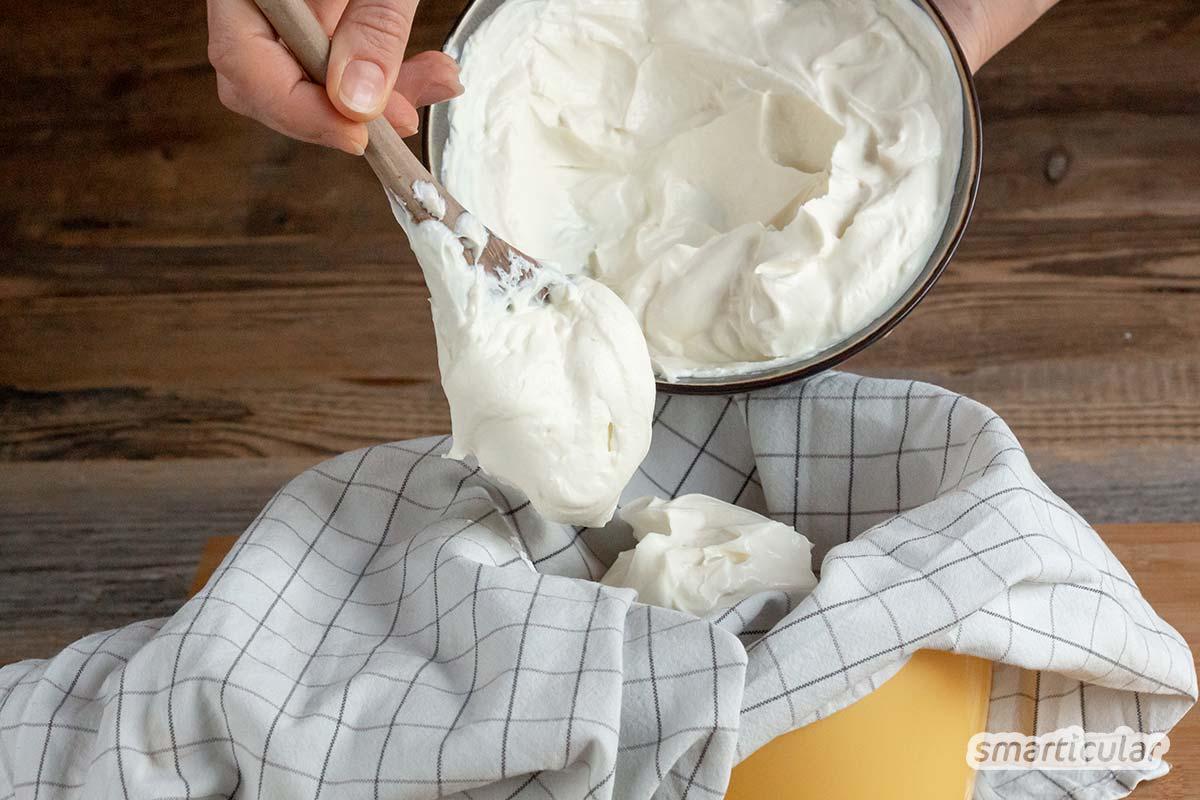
(193, 309)
(90, 547)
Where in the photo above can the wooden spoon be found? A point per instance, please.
(395, 165)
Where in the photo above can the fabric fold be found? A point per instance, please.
(396, 625)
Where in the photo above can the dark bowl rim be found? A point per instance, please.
(838, 354)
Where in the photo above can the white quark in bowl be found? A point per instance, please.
(760, 181)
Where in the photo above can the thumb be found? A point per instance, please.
(365, 55)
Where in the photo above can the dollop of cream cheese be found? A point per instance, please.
(698, 554)
(548, 378)
(757, 179)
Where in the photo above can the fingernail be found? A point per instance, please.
(453, 87)
(363, 86)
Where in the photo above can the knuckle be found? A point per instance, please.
(219, 51)
(272, 110)
(382, 26)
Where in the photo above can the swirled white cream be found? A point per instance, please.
(757, 179)
(549, 380)
(697, 554)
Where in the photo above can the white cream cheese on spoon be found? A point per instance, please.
(757, 179)
(548, 377)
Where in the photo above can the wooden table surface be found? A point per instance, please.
(193, 309)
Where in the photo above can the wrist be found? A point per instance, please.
(971, 25)
(983, 27)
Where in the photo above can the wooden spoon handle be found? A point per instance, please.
(387, 154)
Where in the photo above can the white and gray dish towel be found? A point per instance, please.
(395, 625)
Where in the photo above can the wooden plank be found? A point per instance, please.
(205, 338)
(86, 548)
(1002, 312)
(1123, 455)
(1091, 56)
(1120, 403)
(246, 421)
(1140, 317)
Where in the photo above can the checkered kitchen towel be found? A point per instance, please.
(396, 625)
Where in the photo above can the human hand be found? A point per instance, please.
(368, 75)
(984, 27)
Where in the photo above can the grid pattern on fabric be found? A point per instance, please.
(936, 533)
(394, 624)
